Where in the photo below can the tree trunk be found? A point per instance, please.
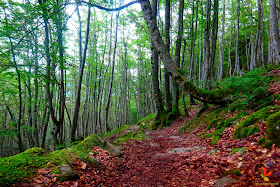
(199, 94)
(107, 105)
(178, 53)
(167, 94)
(78, 94)
(237, 64)
(274, 28)
(222, 48)
(206, 49)
(210, 71)
(155, 72)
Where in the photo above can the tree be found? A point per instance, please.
(78, 93)
(274, 28)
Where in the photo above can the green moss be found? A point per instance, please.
(243, 149)
(144, 122)
(261, 140)
(215, 139)
(15, 168)
(273, 128)
(116, 131)
(136, 135)
(232, 172)
(165, 120)
(241, 130)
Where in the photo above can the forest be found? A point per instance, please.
(74, 72)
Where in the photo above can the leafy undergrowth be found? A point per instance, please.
(170, 158)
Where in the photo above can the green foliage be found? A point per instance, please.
(244, 130)
(249, 90)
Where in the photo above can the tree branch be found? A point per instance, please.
(104, 8)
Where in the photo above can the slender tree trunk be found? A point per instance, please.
(178, 53)
(167, 94)
(237, 64)
(206, 49)
(274, 29)
(210, 71)
(107, 105)
(222, 48)
(78, 94)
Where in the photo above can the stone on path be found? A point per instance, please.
(223, 182)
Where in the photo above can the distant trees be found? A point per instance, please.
(62, 83)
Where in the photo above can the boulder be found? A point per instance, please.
(66, 172)
(223, 182)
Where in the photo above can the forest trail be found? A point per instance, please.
(168, 158)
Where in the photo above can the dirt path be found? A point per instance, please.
(166, 158)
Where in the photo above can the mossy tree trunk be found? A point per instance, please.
(213, 97)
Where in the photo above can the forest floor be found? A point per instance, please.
(169, 158)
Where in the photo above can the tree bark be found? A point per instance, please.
(167, 94)
(177, 56)
(274, 28)
(237, 63)
(155, 72)
(107, 105)
(222, 48)
(78, 96)
(210, 71)
(206, 49)
(197, 93)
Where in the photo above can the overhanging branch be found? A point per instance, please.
(104, 8)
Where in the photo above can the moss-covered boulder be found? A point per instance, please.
(18, 167)
(246, 128)
(93, 140)
(273, 128)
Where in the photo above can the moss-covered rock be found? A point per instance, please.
(15, 168)
(244, 128)
(232, 172)
(136, 135)
(273, 128)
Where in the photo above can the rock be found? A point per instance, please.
(223, 182)
(161, 155)
(174, 137)
(242, 151)
(180, 150)
(154, 144)
(213, 151)
(111, 148)
(94, 161)
(67, 173)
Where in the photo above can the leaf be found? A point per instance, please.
(54, 179)
(37, 180)
(266, 179)
(84, 165)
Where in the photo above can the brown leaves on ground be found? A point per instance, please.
(154, 162)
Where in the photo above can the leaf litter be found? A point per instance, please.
(151, 163)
